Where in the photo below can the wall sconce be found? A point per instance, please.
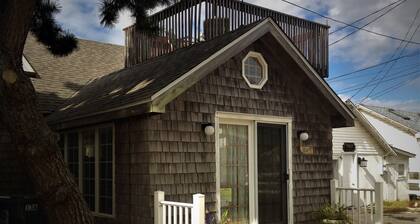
(208, 129)
(362, 162)
(303, 135)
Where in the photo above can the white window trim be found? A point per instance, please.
(239, 118)
(264, 65)
(80, 179)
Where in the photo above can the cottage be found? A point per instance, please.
(241, 114)
(400, 129)
(385, 163)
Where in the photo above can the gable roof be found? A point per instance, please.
(371, 129)
(60, 77)
(404, 120)
(149, 86)
(403, 152)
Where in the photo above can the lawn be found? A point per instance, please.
(399, 206)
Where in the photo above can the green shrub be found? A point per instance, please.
(333, 212)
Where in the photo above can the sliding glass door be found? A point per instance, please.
(272, 174)
(234, 172)
(252, 172)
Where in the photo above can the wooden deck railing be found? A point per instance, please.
(170, 212)
(191, 21)
(364, 206)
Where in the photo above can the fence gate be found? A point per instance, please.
(364, 206)
(169, 212)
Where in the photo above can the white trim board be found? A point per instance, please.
(396, 124)
(157, 102)
(366, 124)
(252, 120)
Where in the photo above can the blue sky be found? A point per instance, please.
(357, 51)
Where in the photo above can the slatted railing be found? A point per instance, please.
(364, 206)
(170, 212)
(191, 21)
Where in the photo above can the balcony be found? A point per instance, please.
(188, 22)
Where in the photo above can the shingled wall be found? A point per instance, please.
(170, 152)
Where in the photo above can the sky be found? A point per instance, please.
(357, 51)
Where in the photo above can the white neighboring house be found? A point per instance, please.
(401, 129)
(384, 163)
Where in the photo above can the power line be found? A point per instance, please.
(353, 88)
(350, 25)
(393, 54)
(401, 52)
(397, 72)
(392, 88)
(367, 24)
(372, 66)
(372, 13)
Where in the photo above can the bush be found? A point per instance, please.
(333, 212)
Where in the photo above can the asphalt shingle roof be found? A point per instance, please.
(406, 118)
(61, 77)
(140, 82)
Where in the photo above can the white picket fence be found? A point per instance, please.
(365, 206)
(169, 212)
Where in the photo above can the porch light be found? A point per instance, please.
(303, 136)
(208, 129)
(362, 162)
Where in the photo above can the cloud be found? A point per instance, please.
(361, 48)
(407, 105)
(81, 17)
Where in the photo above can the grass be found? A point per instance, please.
(398, 206)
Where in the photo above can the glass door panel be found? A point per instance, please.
(272, 174)
(234, 175)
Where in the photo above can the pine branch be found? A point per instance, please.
(48, 32)
(110, 10)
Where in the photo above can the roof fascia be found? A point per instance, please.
(388, 120)
(362, 119)
(174, 89)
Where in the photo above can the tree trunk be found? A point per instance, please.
(36, 145)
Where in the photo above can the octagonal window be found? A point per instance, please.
(254, 70)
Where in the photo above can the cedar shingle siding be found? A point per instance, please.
(170, 152)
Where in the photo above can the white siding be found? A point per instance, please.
(399, 139)
(378, 170)
(363, 140)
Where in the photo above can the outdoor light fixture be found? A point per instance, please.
(303, 136)
(208, 129)
(362, 162)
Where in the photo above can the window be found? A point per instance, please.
(414, 175)
(89, 153)
(401, 170)
(254, 70)
(413, 186)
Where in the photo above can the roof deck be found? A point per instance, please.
(188, 22)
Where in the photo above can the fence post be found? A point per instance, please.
(158, 208)
(333, 187)
(379, 203)
(198, 210)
